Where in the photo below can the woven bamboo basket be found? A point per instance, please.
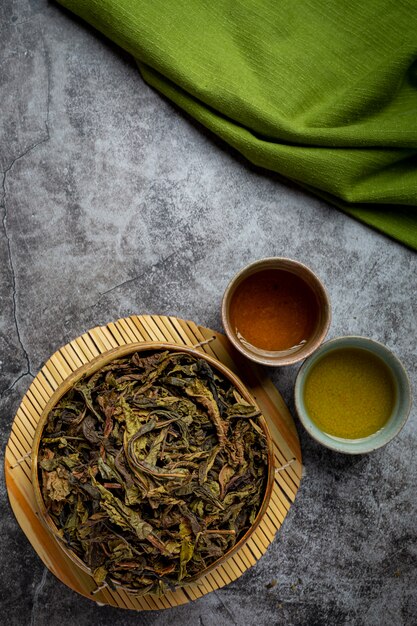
(93, 366)
(83, 350)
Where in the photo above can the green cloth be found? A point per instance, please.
(324, 92)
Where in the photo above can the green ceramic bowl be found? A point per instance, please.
(400, 410)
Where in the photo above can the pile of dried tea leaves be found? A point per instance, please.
(152, 469)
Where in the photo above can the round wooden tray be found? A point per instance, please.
(82, 350)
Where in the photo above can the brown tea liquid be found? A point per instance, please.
(274, 310)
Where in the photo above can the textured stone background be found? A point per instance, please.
(113, 202)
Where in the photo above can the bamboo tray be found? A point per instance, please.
(134, 329)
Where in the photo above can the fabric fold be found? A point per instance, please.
(324, 94)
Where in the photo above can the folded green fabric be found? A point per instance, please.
(324, 93)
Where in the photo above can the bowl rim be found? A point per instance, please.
(91, 367)
(275, 263)
(399, 373)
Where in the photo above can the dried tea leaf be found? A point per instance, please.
(225, 475)
(57, 486)
(152, 469)
(122, 515)
(100, 574)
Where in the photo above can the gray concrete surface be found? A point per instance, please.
(113, 202)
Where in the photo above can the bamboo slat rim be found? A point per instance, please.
(86, 348)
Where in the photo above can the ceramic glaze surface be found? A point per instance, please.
(383, 409)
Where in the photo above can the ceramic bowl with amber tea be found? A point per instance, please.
(151, 465)
(276, 311)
